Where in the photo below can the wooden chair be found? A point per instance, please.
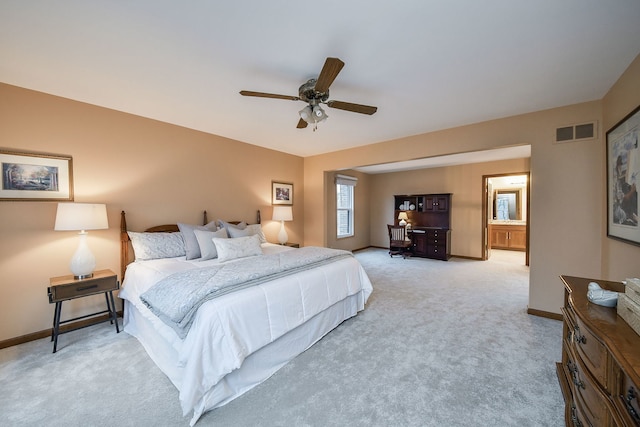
(398, 244)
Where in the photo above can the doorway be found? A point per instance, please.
(505, 213)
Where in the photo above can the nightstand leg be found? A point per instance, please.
(106, 297)
(56, 325)
(112, 311)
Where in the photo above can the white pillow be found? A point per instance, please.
(191, 245)
(205, 242)
(240, 247)
(156, 245)
(249, 230)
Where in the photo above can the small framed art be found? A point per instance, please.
(281, 193)
(623, 172)
(35, 177)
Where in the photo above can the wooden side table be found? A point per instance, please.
(65, 288)
(292, 245)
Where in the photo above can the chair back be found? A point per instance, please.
(397, 233)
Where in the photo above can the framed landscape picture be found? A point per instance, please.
(623, 172)
(35, 177)
(281, 193)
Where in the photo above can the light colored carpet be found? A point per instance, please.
(439, 344)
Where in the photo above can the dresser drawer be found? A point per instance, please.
(627, 399)
(436, 234)
(590, 397)
(82, 288)
(591, 350)
(577, 417)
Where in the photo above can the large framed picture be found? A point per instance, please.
(35, 177)
(281, 193)
(623, 171)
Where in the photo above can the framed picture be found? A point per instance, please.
(623, 171)
(281, 193)
(35, 177)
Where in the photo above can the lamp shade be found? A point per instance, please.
(282, 213)
(81, 216)
(403, 215)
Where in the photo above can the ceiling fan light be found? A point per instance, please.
(319, 114)
(306, 114)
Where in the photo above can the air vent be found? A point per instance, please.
(579, 132)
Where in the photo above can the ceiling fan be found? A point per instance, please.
(315, 92)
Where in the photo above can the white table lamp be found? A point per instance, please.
(282, 214)
(81, 217)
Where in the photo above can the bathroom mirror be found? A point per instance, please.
(507, 204)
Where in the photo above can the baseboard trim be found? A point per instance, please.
(542, 313)
(47, 332)
(387, 248)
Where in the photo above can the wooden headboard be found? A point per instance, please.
(125, 242)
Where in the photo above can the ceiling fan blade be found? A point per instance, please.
(301, 124)
(330, 70)
(268, 95)
(356, 108)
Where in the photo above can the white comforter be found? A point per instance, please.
(228, 329)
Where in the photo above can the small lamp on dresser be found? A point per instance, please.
(282, 214)
(81, 217)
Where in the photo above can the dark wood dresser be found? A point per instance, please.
(600, 370)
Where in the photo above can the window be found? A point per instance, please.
(345, 186)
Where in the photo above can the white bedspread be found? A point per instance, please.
(228, 329)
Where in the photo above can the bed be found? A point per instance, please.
(239, 335)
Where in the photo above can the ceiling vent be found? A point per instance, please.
(581, 132)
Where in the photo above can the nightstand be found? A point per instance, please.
(292, 245)
(65, 288)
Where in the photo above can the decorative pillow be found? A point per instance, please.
(156, 245)
(191, 246)
(240, 247)
(249, 230)
(205, 242)
(228, 225)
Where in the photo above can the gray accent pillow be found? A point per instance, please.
(228, 225)
(249, 230)
(192, 249)
(205, 242)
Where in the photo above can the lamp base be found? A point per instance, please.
(83, 262)
(282, 235)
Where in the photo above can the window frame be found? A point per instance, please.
(345, 181)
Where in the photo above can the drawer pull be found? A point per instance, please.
(580, 339)
(86, 288)
(574, 417)
(631, 395)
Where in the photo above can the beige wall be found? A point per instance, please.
(158, 173)
(566, 191)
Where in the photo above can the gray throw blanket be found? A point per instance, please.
(176, 298)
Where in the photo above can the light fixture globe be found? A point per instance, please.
(306, 114)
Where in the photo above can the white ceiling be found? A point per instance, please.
(426, 64)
